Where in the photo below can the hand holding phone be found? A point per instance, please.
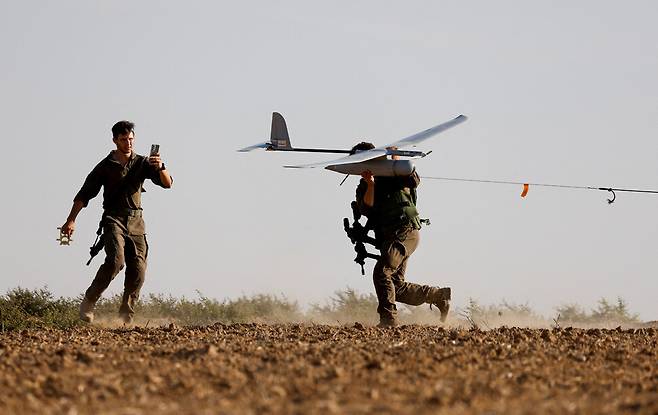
(154, 157)
(155, 149)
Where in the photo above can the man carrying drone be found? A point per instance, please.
(387, 196)
(389, 203)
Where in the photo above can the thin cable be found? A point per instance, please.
(564, 186)
(628, 190)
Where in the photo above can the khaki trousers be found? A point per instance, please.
(388, 275)
(121, 248)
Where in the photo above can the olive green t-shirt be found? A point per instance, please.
(122, 185)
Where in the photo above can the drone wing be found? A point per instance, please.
(424, 135)
(383, 151)
(352, 158)
(255, 146)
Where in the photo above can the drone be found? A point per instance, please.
(387, 160)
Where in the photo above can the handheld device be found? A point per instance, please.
(63, 239)
(155, 149)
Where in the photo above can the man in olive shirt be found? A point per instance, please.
(121, 174)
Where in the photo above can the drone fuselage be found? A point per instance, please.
(378, 167)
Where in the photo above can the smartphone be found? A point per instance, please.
(155, 149)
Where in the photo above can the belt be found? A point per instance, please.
(123, 212)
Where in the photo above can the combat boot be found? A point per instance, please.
(127, 318)
(86, 310)
(440, 298)
(387, 322)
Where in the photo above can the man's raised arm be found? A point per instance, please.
(165, 178)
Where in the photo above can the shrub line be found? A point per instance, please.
(22, 308)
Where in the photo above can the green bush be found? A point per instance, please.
(205, 310)
(23, 309)
(502, 314)
(346, 306)
(571, 313)
(606, 313)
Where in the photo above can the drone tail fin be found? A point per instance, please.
(279, 135)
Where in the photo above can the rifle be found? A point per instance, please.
(358, 235)
(99, 243)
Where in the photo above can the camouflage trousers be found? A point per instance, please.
(388, 275)
(121, 249)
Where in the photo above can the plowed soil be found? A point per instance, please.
(256, 368)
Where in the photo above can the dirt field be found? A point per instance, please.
(255, 368)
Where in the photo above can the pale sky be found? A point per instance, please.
(556, 91)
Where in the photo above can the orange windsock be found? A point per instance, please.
(525, 189)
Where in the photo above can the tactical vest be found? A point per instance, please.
(394, 207)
